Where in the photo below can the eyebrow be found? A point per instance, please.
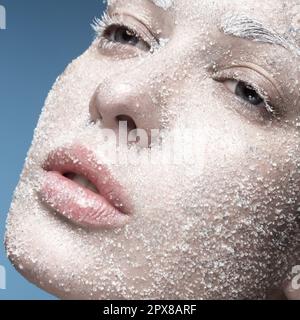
(247, 28)
(164, 4)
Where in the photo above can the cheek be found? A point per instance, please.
(66, 112)
(238, 184)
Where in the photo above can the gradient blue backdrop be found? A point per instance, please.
(42, 37)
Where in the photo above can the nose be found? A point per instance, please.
(116, 101)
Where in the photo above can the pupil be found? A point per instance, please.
(126, 36)
(248, 93)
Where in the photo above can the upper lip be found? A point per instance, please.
(81, 161)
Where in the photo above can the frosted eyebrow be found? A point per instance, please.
(247, 28)
(164, 4)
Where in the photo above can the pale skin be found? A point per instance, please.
(225, 227)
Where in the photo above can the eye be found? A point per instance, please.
(245, 92)
(125, 36)
(256, 92)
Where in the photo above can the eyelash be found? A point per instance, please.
(101, 25)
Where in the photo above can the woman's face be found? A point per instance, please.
(219, 218)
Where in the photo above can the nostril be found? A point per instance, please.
(131, 125)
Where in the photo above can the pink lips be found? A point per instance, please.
(105, 207)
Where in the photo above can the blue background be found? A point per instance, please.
(42, 37)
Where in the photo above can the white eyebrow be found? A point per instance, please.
(247, 28)
(164, 4)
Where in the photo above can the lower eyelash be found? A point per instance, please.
(108, 44)
(267, 106)
(271, 111)
(266, 100)
(270, 108)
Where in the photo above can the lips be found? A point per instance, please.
(83, 191)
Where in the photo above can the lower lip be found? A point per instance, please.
(78, 204)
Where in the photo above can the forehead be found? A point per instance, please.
(240, 5)
(264, 9)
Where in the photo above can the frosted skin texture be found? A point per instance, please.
(225, 226)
